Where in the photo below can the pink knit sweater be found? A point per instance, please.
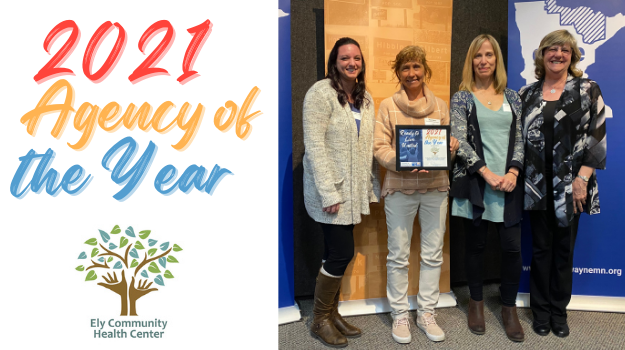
(398, 110)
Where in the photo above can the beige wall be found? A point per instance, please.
(383, 27)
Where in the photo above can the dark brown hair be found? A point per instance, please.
(358, 94)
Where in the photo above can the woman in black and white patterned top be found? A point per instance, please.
(565, 138)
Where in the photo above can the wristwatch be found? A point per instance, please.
(585, 178)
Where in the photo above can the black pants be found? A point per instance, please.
(551, 280)
(338, 247)
(511, 264)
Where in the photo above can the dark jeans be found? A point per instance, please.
(338, 247)
(551, 280)
(510, 240)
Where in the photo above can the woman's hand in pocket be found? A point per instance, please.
(333, 209)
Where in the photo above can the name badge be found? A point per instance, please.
(506, 107)
(432, 121)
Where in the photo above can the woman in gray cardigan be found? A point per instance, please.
(340, 176)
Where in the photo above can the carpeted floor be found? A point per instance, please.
(589, 330)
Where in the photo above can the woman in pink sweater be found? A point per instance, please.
(407, 193)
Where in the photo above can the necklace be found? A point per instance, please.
(488, 101)
(553, 87)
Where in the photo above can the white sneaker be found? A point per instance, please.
(401, 330)
(427, 324)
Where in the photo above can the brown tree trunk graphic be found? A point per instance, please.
(118, 287)
(128, 295)
(136, 293)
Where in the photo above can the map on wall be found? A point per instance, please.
(591, 28)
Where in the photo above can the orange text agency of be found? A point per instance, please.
(110, 118)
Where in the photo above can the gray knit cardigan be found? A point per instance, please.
(338, 162)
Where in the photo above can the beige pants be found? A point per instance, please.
(401, 210)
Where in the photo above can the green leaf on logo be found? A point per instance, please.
(134, 263)
(110, 259)
(138, 245)
(91, 241)
(152, 251)
(116, 230)
(91, 276)
(123, 241)
(177, 248)
(80, 268)
(94, 252)
(168, 274)
(171, 259)
(153, 268)
(144, 234)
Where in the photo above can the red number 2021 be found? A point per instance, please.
(145, 70)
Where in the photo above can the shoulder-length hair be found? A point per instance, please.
(468, 75)
(408, 54)
(559, 37)
(358, 94)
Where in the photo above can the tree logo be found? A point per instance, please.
(118, 258)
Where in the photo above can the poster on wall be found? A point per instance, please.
(598, 27)
(140, 165)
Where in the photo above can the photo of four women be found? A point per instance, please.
(535, 150)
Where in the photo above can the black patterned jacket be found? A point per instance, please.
(579, 138)
(467, 182)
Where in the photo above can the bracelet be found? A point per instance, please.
(516, 175)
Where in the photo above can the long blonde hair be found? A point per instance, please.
(559, 37)
(468, 75)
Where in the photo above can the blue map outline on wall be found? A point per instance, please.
(590, 25)
(590, 28)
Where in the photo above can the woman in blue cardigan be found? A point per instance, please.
(486, 120)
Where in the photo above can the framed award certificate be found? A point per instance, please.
(423, 147)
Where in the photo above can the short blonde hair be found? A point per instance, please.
(559, 37)
(408, 54)
(468, 75)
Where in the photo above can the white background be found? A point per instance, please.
(226, 284)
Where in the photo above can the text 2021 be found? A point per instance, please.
(145, 70)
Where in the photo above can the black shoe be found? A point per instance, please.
(542, 329)
(560, 329)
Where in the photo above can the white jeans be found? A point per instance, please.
(400, 211)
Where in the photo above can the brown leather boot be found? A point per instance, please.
(322, 326)
(511, 323)
(476, 317)
(345, 328)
